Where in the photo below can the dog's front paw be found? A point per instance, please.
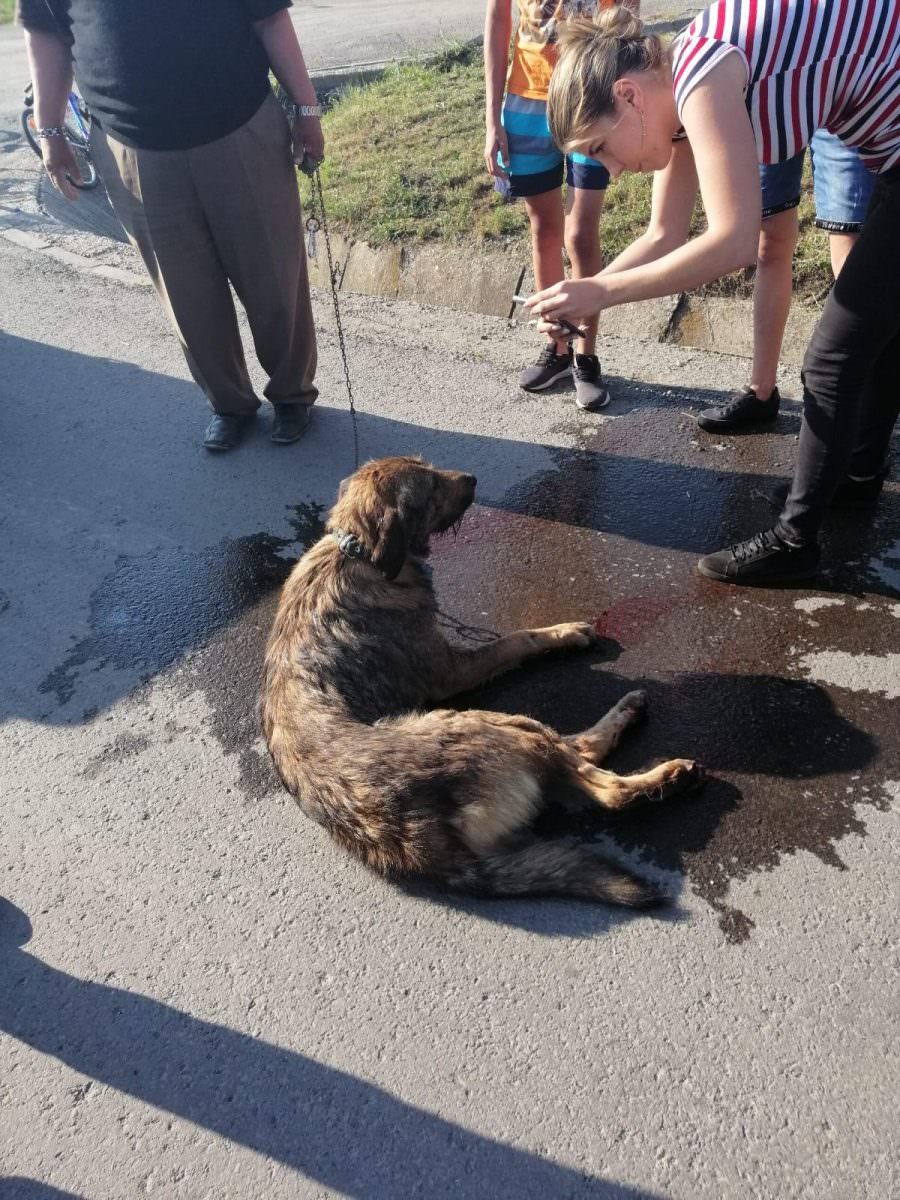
(573, 634)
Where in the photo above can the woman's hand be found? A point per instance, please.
(575, 300)
(61, 165)
(496, 146)
(309, 140)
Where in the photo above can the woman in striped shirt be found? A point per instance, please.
(750, 81)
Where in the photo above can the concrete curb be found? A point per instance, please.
(453, 278)
(484, 281)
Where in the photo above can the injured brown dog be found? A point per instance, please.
(354, 662)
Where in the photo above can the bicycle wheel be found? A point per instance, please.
(77, 135)
(28, 128)
(80, 148)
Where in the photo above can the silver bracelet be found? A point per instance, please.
(51, 131)
(308, 110)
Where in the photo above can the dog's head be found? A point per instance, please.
(394, 505)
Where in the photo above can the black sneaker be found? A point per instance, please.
(740, 409)
(763, 559)
(856, 494)
(590, 390)
(549, 367)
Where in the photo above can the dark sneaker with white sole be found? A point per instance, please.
(549, 367)
(590, 390)
(740, 410)
(763, 560)
(851, 494)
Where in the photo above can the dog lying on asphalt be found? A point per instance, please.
(355, 659)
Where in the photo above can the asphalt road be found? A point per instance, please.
(200, 997)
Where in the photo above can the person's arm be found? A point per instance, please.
(279, 40)
(671, 209)
(718, 127)
(50, 63)
(497, 30)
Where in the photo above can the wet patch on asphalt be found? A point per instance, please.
(153, 610)
(794, 752)
(610, 535)
(125, 745)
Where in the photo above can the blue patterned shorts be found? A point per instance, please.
(536, 164)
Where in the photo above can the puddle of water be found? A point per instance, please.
(153, 610)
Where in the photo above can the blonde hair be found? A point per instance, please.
(593, 53)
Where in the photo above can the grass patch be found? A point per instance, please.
(6, 11)
(405, 165)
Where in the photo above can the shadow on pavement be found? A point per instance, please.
(331, 1127)
(70, 459)
(15, 1187)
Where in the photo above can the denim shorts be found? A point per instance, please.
(842, 184)
(536, 164)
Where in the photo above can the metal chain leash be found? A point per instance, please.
(471, 633)
(313, 225)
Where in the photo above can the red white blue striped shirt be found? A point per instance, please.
(811, 64)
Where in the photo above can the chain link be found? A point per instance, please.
(318, 201)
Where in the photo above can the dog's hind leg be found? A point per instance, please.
(555, 869)
(473, 667)
(601, 739)
(619, 791)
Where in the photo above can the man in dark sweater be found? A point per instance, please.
(197, 158)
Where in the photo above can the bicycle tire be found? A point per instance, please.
(81, 150)
(28, 128)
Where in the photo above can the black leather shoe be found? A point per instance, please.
(740, 410)
(291, 422)
(763, 560)
(225, 431)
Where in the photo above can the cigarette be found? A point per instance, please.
(573, 329)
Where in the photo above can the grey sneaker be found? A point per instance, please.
(549, 367)
(590, 390)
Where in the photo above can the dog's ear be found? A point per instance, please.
(342, 487)
(389, 554)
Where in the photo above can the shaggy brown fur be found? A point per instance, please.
(356, 658)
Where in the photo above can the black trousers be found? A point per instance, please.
(851, 371)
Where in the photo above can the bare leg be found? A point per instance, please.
(601, 739)
(772, 297)
(474, 667)
(582, 236)
(840, 245)
(545, 215)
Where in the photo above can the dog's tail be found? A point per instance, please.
(559, 869)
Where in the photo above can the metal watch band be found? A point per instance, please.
(308, 110)
(50, 131)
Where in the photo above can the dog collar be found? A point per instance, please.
(349, 545)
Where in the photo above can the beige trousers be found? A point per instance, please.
(226, 211)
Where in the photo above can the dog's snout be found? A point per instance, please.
(471, 481)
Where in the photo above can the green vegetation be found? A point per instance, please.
(405, 164)
(6, 11)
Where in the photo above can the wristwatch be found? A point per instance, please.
(305, 110)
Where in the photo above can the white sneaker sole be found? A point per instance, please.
(540, 387)
(594, 406)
